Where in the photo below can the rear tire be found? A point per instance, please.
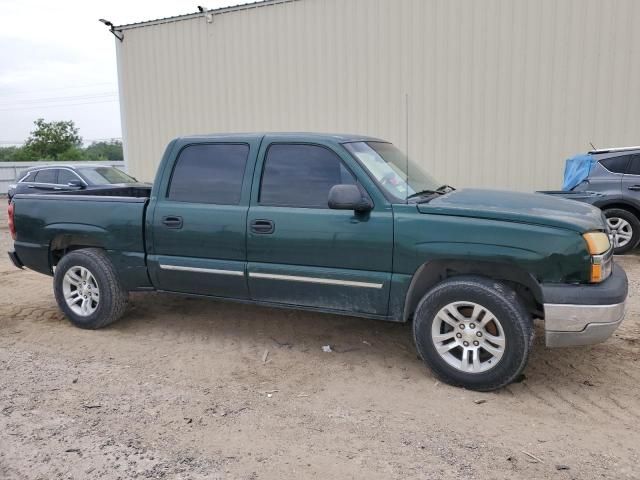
(625, 229)
(473, 332)
(87, 289)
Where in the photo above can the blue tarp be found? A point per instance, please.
(576, 170)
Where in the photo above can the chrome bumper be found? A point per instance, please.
(572, 325)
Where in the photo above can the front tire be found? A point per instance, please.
(625, 229)
(87, 289)
(473, 332)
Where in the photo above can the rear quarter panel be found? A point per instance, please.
(49, 222)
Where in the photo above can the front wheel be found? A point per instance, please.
(87, 289)
(624, 229)
(473, 332)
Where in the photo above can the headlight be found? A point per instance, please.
(597, 242)
(599, 248)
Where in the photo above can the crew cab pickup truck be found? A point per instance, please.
(334, 223)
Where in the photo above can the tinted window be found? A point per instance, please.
(47, 176)
(105, 175)
(634, 166)
(616, 164)
(209, 174)
(301, 176)
(66, 176)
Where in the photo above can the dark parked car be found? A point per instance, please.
(52, 178)
(612, 183)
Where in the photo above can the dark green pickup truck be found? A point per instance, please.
(330, 223)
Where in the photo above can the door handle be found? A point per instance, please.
(172, 222)
(263, 227)
(634, 187)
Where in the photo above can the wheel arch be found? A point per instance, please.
(431, 273)
(622, 205)
(64, 243)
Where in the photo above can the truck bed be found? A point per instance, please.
(57, 220)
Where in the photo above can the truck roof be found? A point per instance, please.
(294, 136)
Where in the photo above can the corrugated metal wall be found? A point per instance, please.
(499, 92)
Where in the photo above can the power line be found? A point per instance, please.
(22, 92)
(58, 99)
(84, 140)
(64, 105)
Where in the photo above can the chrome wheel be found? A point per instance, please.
(80, 291)
(620, 231)
(468, 337)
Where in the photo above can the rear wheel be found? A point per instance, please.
(624, 228)
(87, 289)
(473, 332)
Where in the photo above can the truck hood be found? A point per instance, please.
(532, 208)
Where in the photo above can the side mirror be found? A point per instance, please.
(348, 197)
(76, 184)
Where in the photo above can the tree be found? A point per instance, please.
(111, 150)
(53, 140)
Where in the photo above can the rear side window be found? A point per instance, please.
(30, 178)
(210, 173)
(634, 165)
(616, 164)
(49, 175)
(301, 176)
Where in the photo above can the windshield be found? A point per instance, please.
(388, 165)
(105, 175)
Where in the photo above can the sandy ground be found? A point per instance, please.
(179, 389)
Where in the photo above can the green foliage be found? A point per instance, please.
(50, 140)
(60, 141)
(111, 150)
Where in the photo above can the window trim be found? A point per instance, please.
(199, 144)
(50, 167)
(309, 144)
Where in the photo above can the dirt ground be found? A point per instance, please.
(179, 389)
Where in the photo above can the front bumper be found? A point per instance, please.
(584, 314)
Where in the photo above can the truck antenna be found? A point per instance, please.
(592, 146)
(406, 104)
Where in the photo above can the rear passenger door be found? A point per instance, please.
(198, 223)
(302, 253)
(45, 180)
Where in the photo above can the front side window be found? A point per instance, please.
(301, 176)
(634, 165)
(50, 175)
(209, 173)
(105, 175)
(399, 176)
(66, 176)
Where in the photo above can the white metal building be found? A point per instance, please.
(492, 93)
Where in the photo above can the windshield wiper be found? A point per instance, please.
(422, 193)
(441, 190)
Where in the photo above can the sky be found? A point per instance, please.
(58, 62)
